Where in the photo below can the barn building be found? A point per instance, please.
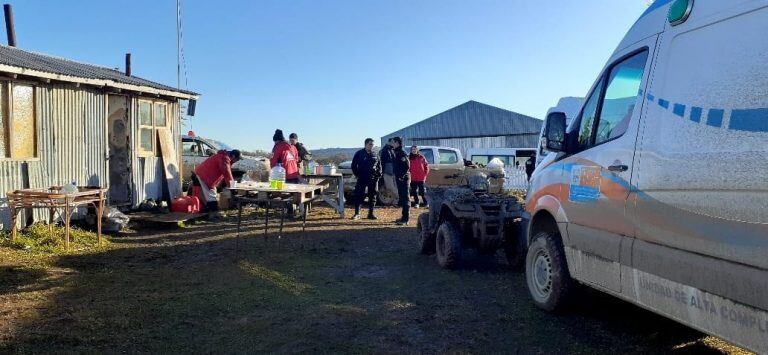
(473, 125)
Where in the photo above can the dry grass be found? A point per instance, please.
(341, 287)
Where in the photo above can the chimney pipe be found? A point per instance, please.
(9, 25)
(127, 64)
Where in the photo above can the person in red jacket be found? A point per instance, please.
(419, 173)
(212, 172)
(285, 154)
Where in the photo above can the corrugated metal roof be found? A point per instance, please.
(471, 119)
(20, 58)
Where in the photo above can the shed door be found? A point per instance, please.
(119, 151)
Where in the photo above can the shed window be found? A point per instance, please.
(18, 126)
(146, 129)
(152, 115)
(160, 118)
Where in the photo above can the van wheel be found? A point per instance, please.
(426, 238)
(448, 246)
(549, 282)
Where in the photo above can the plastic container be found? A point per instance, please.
(277, 177)
(70, 188)
(185, 204)
(496, 168)
(327, 169)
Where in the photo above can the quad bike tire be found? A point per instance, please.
(448, 246)
(426, 237)
(515, 254)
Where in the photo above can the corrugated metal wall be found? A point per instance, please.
(73, 145)
(471, 119)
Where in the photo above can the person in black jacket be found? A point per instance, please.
(530, 166)
(402, 167)
(387, 155)
(367, 170)
(304, 154)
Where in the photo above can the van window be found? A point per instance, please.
(506, 159)
(480, 159)
(588, 116)
(427, 153)
(448, 156)
(620, 97)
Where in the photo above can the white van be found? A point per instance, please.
(511, 157)
(659, 190)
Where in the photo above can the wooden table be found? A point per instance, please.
(336, 203)
(260, 193)
(53, 200)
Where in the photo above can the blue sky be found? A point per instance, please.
(337, 72)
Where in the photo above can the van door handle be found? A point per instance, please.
(618, 168)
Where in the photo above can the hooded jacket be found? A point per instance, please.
(419, 168)
(215, 169)
(284, 153)
(387, 155)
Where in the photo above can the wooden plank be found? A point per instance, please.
(288, 188)
(173, 217)
(170, 162)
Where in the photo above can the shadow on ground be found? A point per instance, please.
(341, 286)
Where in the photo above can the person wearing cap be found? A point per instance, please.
(303, 153)
(419, 173)
(367, 169)
(212, 172)
(402, 167)
(285, 154)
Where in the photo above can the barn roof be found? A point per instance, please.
(471, 119)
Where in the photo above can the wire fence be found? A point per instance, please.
(516, 179)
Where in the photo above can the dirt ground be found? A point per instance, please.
(342, 286)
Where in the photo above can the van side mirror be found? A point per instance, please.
(210, 152)
(554, 132)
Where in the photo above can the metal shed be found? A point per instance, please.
(473, 125)
(62, 120)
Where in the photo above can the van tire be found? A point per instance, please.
(426, 237)
(448, 246)
(546, 272)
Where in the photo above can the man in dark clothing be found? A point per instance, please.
(402, 166)
(530, 166)
(367, 170)
(387, 155)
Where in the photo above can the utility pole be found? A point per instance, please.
(178, 44)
